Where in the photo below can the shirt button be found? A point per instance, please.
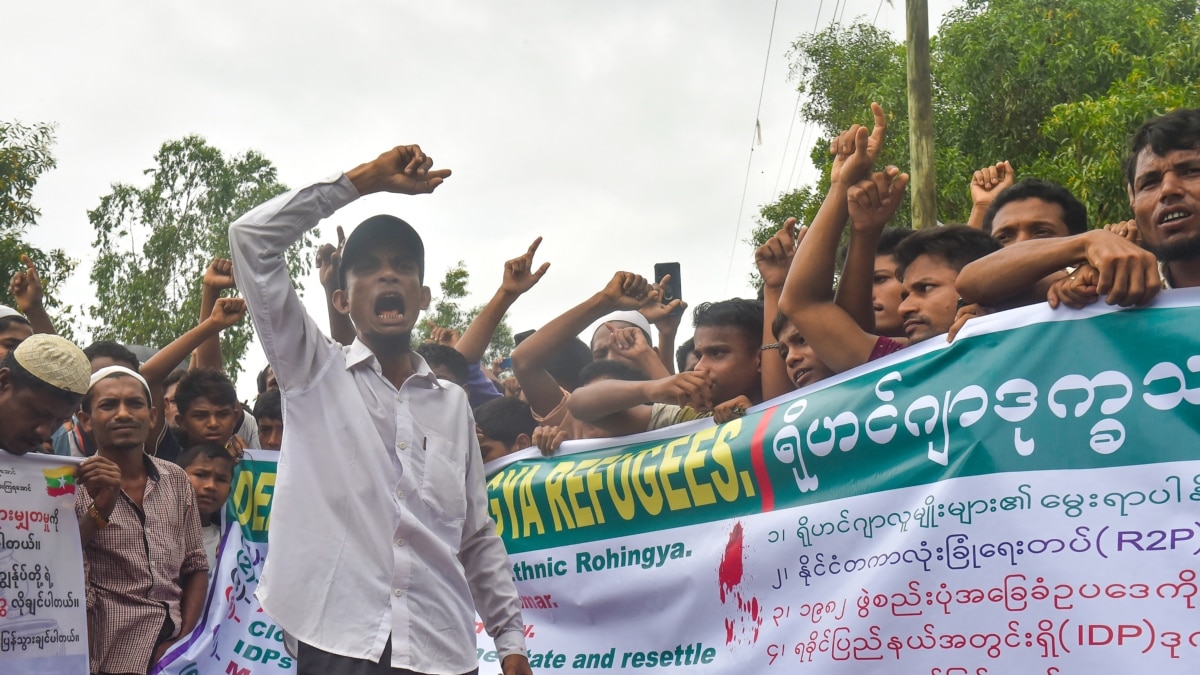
(399, 494)
(403, 445)
(399, 592)
(399, 542)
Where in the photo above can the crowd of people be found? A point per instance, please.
(381, 483)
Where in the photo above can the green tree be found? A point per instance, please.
(446, 311)
(154, 242)
(25, 154)
(1056, 87)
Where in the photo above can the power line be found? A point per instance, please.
(749, 160)
(792, 123)
(796, 185)
(783, 155)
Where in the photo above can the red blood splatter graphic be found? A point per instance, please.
(730, 572)
(744, 626)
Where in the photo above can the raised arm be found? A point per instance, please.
(519, 277)
(624, 291)
(986, 183)
(295, 346)
(807, 297)
(773, 260)
(329, 258)
(217, 277)
(630, 343)
(871, 209)
(26, 289)
(665, 317)
(226, 312)
(1128, 274)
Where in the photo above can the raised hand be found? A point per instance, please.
(519, 276)
(774, 257)
(26, 287)
(626, 290)
(873, 201)
(404, 169)
(328, 259)
(512, 387)
(855, 151)
(442, 336)
(629, 342)
(219, 275)
(990, 181)
(228, 311)
(663, 315)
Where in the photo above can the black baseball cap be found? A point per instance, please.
(375, 230)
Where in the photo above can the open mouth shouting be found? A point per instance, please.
(389, 308)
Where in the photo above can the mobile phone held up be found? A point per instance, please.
(674, 288)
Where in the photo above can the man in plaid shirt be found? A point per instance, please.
(143, 552)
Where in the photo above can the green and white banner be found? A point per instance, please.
(43, 601)
(234, 635)
(1024, 500)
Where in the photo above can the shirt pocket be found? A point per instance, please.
(443, 483)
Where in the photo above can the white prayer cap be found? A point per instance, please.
(630, 316)
(109, 371)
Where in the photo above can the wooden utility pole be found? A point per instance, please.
(920, 116)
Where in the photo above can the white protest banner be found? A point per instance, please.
(234, 636)
(43, 612)
(1024, 500)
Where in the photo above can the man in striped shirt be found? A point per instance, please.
(143, 552)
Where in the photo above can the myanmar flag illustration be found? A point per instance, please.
(60, 481)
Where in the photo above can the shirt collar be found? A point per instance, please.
(151, 469)
(1164, 273)
(358, 353)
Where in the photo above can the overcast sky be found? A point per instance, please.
(618, 130)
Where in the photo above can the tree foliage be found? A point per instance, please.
(447, 311)
(1056, 87)
(153, 243)
(25, 154)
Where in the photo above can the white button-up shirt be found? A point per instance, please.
(379, 523)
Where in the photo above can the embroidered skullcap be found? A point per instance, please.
(55, 361)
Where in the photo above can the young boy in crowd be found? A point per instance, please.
(928, 261)
(209, 467)
(503, 426)
(208, 411)
(268, 413)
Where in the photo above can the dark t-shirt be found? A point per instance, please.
(168, 448)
